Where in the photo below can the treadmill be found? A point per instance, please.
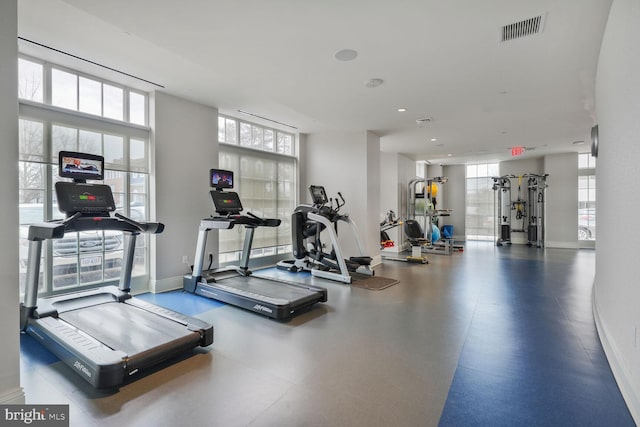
(235, 284)
(105, 335)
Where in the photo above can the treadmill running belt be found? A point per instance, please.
(127, 328)
(279, 293)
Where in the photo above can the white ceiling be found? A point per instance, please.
(442, 59)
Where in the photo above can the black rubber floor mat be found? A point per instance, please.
(372, 283)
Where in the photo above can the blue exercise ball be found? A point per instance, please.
(435, 233)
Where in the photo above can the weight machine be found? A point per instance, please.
(536, 186)
(422, 212)
(528, 212)
(502, 187)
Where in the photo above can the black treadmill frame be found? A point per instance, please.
(211, 283)
(97, 363)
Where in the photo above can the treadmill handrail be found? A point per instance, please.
(77, 222)
(57, 229)
(249, 220)
(145, 227)
(263, 222)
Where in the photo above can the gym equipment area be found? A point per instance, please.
(520, 215)
(256, 353)
(422, 225)
(105, 335)
(541, 329)
(307, 224)
(235, 284)
(414, 234)
(389, 222)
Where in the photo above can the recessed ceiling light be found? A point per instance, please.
(449, 155)
(433, 139)
(371, 83)
(578, 142)
(346, 55)
(401, 110)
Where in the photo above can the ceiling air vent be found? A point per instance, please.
(528, 27)
(423, 121)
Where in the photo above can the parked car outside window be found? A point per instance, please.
(586, 224)
(96, 255)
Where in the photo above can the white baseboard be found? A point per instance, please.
(621, 371)
(13, 397)
(165, 285)
(376, 260)
(561, 245)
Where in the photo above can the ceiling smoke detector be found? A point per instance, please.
(423, 121)
(346, 55)
(371, 83)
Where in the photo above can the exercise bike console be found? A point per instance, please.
(307, 223)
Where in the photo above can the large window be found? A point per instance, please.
(586, 197)
(480, 202)
(61, 109)
(265, 169)
(250, 135)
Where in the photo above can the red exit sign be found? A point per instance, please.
(517, 151)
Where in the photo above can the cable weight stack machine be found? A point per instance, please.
(530, 210)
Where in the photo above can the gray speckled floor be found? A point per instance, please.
(364, 358)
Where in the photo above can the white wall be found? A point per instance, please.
(616, 289)
(406, 173)
(389, 183)
(561, 203)
(434, 171)
(185, 147)
(522, 166)
(347, 162)
(370, 228)
(396, 170)
(454, 197)
(10, 390)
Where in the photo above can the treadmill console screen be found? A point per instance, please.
(318, 195)
(80, 166)
(219, 178)
(226, 202)
(84, 198)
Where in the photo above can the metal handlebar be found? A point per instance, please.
(146, 227)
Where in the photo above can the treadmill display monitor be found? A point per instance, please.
(226, 202)
(80, 166)
(318, 195)
(85, 198)
(220, 178)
